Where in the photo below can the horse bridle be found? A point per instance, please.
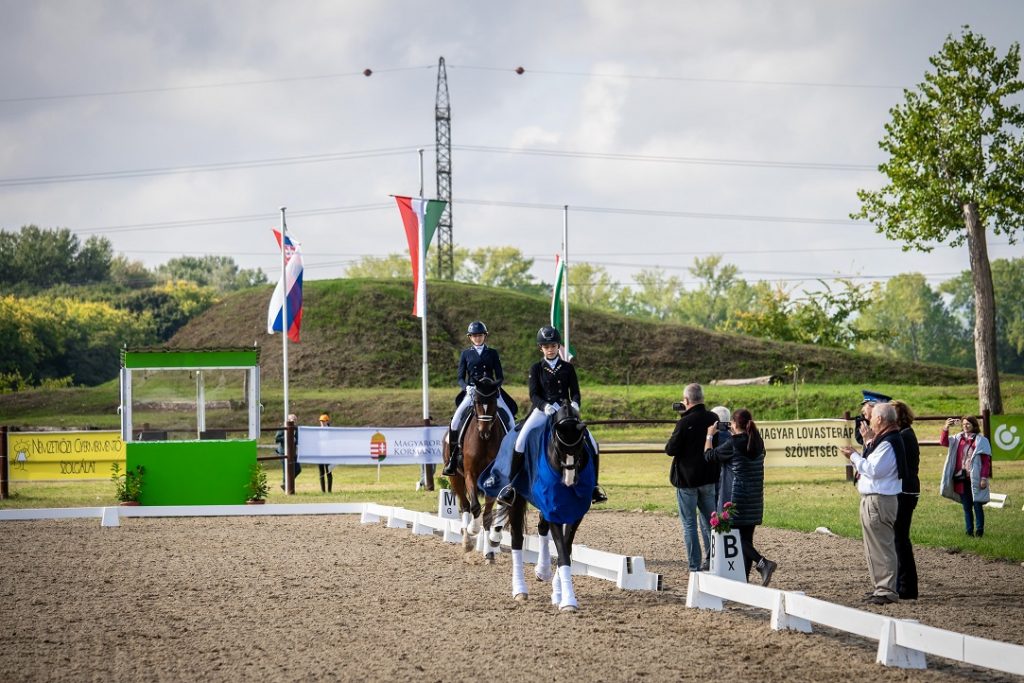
(485, 421)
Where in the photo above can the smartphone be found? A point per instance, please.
(723, 425)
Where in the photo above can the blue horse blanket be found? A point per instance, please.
(541, 484)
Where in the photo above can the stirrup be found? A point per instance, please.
(506, 496)
(451, 468)
(598, 495)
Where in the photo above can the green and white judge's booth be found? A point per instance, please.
(211, 468)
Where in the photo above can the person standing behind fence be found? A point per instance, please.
(879, 486)
(741, 481)
(281, 450)
(967, 471)
(693, 477)
(906, 567)
(326, 471)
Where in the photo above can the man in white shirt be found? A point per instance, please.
(879, 486)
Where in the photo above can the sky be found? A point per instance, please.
(671, 130)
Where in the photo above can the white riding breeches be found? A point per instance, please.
(536, 420)
(467, 404)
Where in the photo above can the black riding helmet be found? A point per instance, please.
(476, 327)
(548, 335)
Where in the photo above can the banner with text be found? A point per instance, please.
(806, 443)
(1008, 437)
(370, 446)
(61, 456)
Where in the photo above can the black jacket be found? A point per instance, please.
(686, 446)
(912, 451)
(473, 365)
(553, 385)
(742, 479)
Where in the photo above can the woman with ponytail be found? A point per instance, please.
(741, 458)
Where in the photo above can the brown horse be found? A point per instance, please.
(481, 442)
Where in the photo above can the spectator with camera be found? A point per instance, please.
(741, 481)
(693, 477)
(967, 471)
(880, 468)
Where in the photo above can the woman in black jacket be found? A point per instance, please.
(906, 571)
(742, 482)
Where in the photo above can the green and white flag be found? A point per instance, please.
(1007, 437)
(559, 312)
(420, 218)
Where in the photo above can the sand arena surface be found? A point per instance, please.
(328, 598)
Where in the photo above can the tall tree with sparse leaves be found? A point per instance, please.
(956, 169)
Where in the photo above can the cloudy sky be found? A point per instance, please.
(671, 129)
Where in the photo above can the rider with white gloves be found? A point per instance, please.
(476, 362)
(552, 384)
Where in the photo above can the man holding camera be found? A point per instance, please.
(693, 477)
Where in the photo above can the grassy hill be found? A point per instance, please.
(360, 333)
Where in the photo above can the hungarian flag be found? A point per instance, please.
(420, 217)
(558, 312)
(293, 276)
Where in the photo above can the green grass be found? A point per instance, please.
(795, 498)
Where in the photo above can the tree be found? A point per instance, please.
(657, 295)
(498, 267)
(956, 167)
(35, 258)
(1008, 283)
(911, 321)
(592, 286)
(719, 298)
(390, 267)
(219, 272)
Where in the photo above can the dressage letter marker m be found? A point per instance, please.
(446, 507)
(727, 556)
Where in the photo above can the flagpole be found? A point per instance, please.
(284, 314)
(426, 473)
(565, 275)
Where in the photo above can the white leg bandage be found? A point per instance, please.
(518, 580)
(543, 569)
(568, 593)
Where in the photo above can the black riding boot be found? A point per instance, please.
(451, 468)
(598, 495)
(508, 494)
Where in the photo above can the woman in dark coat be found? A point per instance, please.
(906, 572)
(741, 482)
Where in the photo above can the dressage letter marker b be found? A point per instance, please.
(727, 556)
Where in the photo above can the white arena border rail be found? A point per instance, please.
(901, 642)
(628, 573)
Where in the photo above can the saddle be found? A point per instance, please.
(538, 483)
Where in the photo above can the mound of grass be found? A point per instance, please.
(360, 333)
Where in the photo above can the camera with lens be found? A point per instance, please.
(857, 422)
(678, 407)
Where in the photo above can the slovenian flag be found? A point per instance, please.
(293, 276)
(558, 312)
(420, 217)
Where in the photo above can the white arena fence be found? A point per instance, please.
(901, 642)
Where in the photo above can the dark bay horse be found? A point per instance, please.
(566, 479)
(482, 439)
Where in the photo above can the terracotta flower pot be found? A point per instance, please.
(129, 502)
(255, 502)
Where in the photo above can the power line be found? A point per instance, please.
(665, 213)
(687, 79)
(391, 151)
(203, 168)
(364, 73)
(204, 86)
(706, 161)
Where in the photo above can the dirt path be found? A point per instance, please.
(327, 598)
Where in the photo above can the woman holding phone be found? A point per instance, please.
(967, 471)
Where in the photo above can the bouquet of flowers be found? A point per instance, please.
(722, 523)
